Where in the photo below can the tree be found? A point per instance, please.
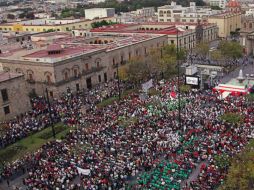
(123, 72)
(137, 70)
(241, 171)
(230, 49)
(202, 48)
(216, 7)
(10, 16)
(216, 55)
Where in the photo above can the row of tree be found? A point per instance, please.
(101, 23)
(226, 50)
(157, 62)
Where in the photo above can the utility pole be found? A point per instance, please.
(50, 115)
(118, 82)
(178, 80)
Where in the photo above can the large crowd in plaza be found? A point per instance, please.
(136, 143)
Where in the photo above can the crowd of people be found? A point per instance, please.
(138, 143)
(38, 118)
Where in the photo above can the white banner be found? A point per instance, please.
(147, 85)
(83, 171)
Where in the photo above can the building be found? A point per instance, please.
(44, 25)
(218, 3)
(177, 13)
(227, 22)
(145, 11)
(96, 13)
(247, 34)
(186, 32)
(14, 95)
(233, 6)
(75, 62)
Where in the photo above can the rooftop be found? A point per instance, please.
(5, 76)
(165, 28)
(58, 50)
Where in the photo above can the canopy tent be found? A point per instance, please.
(226, 89)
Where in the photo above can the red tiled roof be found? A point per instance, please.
(71, 50)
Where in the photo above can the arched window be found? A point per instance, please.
(30, 75)
(244, 25)
(97, 62)
(6, 69)
(18, 70)
(48, 76)
(66, 74)
(250, 25)
(75, 70)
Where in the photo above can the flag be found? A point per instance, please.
(147, 85)
(173, 94)
(83, 171)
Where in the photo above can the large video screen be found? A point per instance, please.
(192, 80)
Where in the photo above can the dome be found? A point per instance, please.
(233, 4)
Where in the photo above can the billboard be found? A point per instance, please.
(192, 80)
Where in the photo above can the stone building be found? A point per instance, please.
(186, 32)
(14, 98)
(247, 34)
(76, 62)
(227, 22)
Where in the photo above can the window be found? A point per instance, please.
(51, 94)
(6, 110)
(77, 87)
(86, 66)
(172, 41)
(30, 76)
(250, 25)
(48, 79)
(66, 76)
(99, 78)
(4, 95)
(75, 71)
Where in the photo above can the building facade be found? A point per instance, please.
(77, 63)
(247, 34)
(177, 13)
(185, 32)
(96, 13)
(227, 22)
(220, 3)
(44, 25)
(14, 95)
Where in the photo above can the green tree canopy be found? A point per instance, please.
(230, 49)
(202, 48)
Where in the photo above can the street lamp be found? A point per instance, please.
(178, 79)
(118, 81)
(50, 114)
